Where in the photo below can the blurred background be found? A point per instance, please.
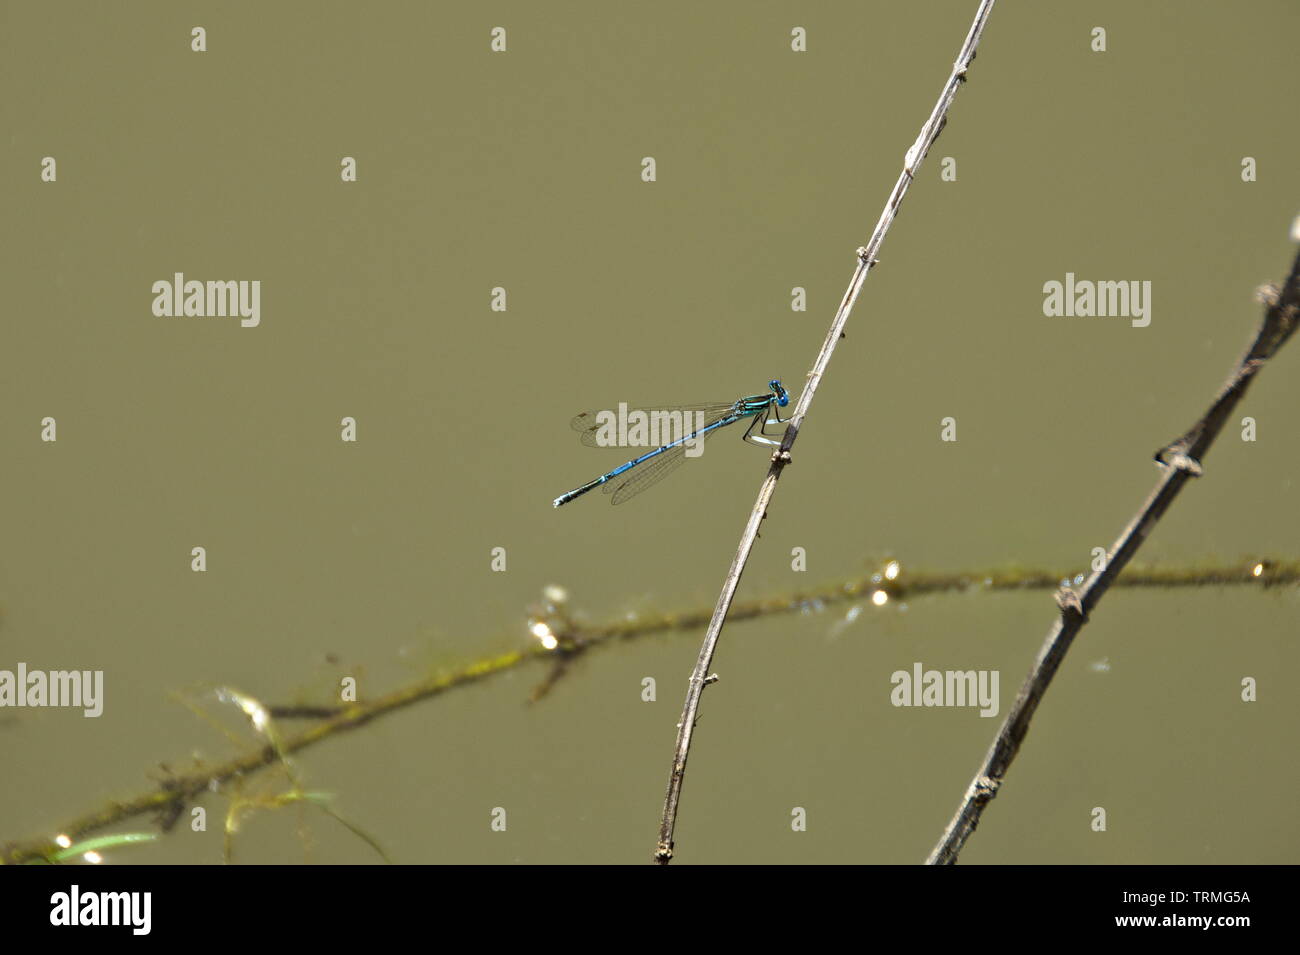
(522, 170)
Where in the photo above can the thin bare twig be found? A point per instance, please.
(866, 259)
(1180, 461)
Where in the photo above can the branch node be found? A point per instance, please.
(783, 457)
(1268, 294)
(985, 787)
(1068, 600)
(1179, 460)
(711, 678)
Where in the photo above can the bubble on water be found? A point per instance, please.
(542, 631)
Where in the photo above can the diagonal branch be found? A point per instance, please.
(866, 259)
(1181, 461)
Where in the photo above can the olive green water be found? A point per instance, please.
(522, 170)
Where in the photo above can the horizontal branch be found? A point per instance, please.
(171, 796)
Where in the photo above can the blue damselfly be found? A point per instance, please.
(706, 420)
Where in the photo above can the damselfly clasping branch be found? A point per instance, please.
(695, 424)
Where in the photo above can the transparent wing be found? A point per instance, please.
(587, 427)
(629, 485)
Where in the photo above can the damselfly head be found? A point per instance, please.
(782, 397)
